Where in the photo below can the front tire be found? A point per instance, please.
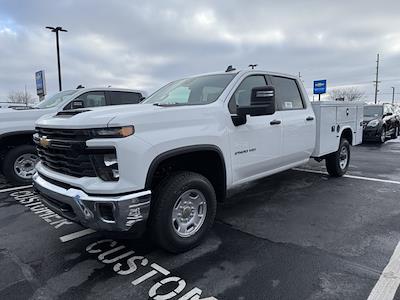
(183, 210)
(337, 163)
(382, 137)
(19, 164)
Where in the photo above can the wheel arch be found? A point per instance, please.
(15, 138)
(348, 134)
(184, 158)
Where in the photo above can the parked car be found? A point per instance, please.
(164, 163)
(396, 110)
(380, 123)
(17, 151)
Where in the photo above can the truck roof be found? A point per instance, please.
(108, 89)
(247, 71)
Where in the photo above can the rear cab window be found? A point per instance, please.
(121, 97)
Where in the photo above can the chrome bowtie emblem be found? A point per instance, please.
(44, 142)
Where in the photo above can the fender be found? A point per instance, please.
(183, 150)
(341, 132)
(4, 142)
(22, 132)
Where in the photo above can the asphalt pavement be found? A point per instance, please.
(299, 234)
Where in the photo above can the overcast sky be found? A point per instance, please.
(144, 44)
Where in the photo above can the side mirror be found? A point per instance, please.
(77, 103)
(389, 114)
(262, 102)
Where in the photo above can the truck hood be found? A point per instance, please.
(97, 117)
(149, 120)
(12, 115)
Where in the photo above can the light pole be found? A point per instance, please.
(56, 30)
(393, 94)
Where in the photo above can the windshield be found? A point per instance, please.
(55, 99)
(373, 111)
(191, 91)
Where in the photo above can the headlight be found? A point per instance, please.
(106, 165)
(114, 132)
(373, 123)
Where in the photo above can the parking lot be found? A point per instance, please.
(295, 235)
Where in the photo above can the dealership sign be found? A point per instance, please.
(320, 86)
(40, 83)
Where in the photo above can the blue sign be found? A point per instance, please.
(40, 83)
(319, 86)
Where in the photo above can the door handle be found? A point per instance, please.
(275, 122)
(309, 118)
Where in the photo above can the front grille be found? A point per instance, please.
(64, 151)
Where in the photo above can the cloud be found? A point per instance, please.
(143, 44)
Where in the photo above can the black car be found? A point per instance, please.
(380, 123)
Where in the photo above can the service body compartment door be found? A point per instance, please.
(347, 115)
(326, 138)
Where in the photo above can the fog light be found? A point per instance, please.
(110, 159)
(115, 173)
(106, 165)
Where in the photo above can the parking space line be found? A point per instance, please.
(76, 235)
(15, 188)
(350, 176)
(386, 287)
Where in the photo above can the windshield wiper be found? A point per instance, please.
(169, 104)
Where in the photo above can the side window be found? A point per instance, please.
(386, 109)
(242, 95)
(92, 99)
(287, 94)
(125, 98)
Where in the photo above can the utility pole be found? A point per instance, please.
(393, 94)
(376, 79)
(56, 30)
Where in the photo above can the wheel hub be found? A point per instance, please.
(189, 212)
(343, 158)
(24, 165)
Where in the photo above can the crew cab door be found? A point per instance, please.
(298, 120)
(256, 145)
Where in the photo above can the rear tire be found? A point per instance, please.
(19, 164)
(337, 163)
(175, 211)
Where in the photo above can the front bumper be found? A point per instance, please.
(371, 134)
(102, 212)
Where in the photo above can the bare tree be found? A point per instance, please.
(347, 94)
(20, 97)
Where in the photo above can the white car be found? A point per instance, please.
(17, 151)
(163, 164)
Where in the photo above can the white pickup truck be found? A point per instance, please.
(17, 125)
(165, 163)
